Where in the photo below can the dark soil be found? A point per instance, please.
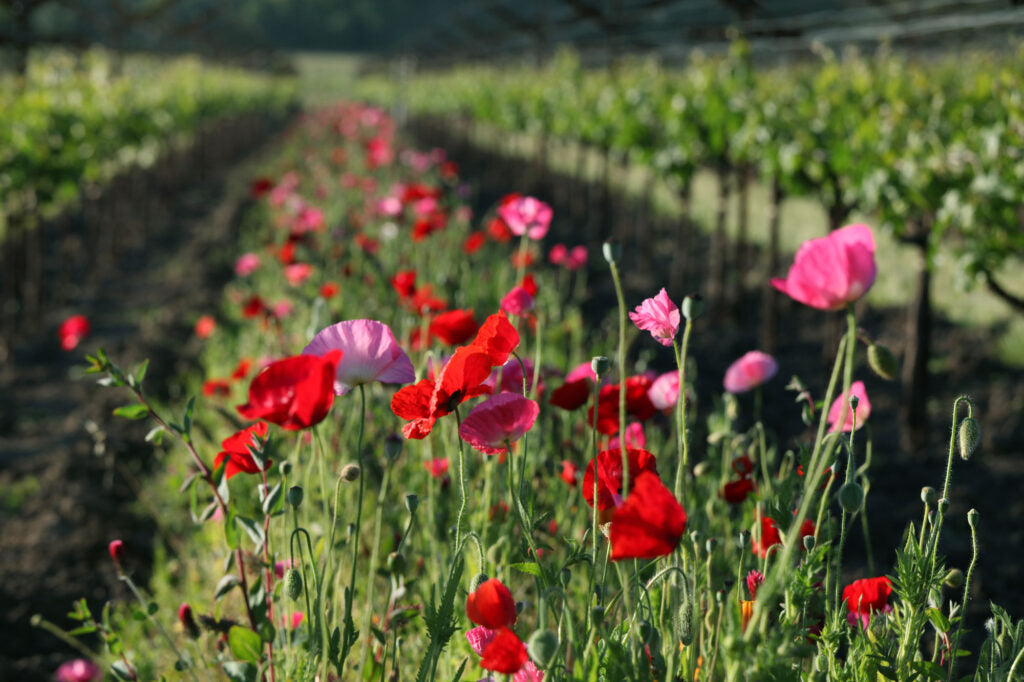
(69, 471)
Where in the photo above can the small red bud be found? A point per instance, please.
(116, 549)
(188, 620)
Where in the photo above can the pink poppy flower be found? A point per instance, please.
(664, 391)
(390, 207)
(558, 254)
(370, 354)
(576, 259)
(635, 437)
(581, 371)
(282, 309)
(281, 566)
(750, 371)
(659, 316)
(297, 273)
(246, 264)
(72, 331)
(527, 215)
(501, 418)
(480, 637)
(863, 408)
(437, 467)
(79, 670)
(205, 326)
(829, 272)
(517, 302)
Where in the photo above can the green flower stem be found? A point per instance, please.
(371, 569)
(939, 513)
(972, 518)
(159, 626)
(621, 360)
(851, 465)
(349, 635)
(682, 431)
(462, 483)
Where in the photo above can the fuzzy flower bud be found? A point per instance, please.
(412, 501)
(968, 437)
(851, 497)
(478, 580)
(188, 620)
(611, 250)
(684, 622)
(928, 495)
(350, 472)
(693, 307)
(542, 647)
(600, 364)
(396, 563)
(943, 505)
(295, 496)
(293, 584)
(116, 549)
(954, 578)
(972, 517)
(808, 542)
(882, 361)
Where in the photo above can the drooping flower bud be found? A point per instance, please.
(478, 580)
(295, 496)
(611, 250)
(882, 361)
(285, 468)
(851, 497)
(972, 517)
(412, 501)
(954, 578)
(188, 620)
(600, 364)
(542, 647)
(116, 549)
(396, 563)
(684, 623)
(350, 472)
(393, 447)
(968, 437)
(293, 584)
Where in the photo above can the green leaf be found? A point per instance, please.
(245, 644)
(187, 429)
(273, 501)
(530, 567)
(930, 670)
(156, 437)
(252, 528)
(121, 671)
(231, 534)
(84, 630)
(152, 608)
(140, 371)
(938, 619)
(240, 672)
(226, 584)
(137, 411)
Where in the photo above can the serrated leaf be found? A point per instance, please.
(245, 644)
(238, 671)
(530, 567)
(226, 584)
(136, 411)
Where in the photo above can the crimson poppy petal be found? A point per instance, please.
(649, 523)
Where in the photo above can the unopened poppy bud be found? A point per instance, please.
(350, 472)
(293, 584)
(695, 536)
(295, 496)
(478, 580)
(744, 538)
(285, 468)
(684, 623)
(600, 364)
(928, 495)
(542, 647)
(882, 361)
(188, 620)
(392, 447)
(597, 614)
(972, 517)
(954, 578)
(700, 469)
(709, 545)
(969, 437)
(612, 250)
(412, 501)
(693, 307)
(854, 402)
(564, 576)
(851, 497)
(808, 542)
(396, 563)
(116, 549)
(943, 505)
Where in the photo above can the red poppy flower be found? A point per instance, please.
(329, 289)
(424, 301)
(609, 475)
(498, 338)
(293, 393)
(735, 492)
(416, 191)
(437, 467)
(449, 170)
(287, 253)
(498, 230)
(216, 387)
(367, 244)
(505, 654)
(424, 227)
(638, 404)
(473, 242)
(867, 595)
(649, 523)
(426, 401)
(523, 258)
(254, 307)
(260, 186)
(72, 331)
(743, 465)
(770, 537)
(205, 326)
(236, 450)
(454, 327)
(570, 473)
(242, 370)
(571, 395)
(529, 284)
(491, 605)
(404, 283)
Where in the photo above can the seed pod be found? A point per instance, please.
(293, 584)
(693, 307)
(882, 361)
(684, 622)
(412, 501)
(928, 495)
(969, 437)
(542, 647)
(851, 497)
(295, 496)
(600, 364)
(350, 472)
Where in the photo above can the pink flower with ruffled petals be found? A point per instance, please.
(750, 371)
(517, 302)
(527, 215)
(659, 316)
(297, 273)
(635, 437)
(499, 419)
(370, 354)
(863, 408)
(664, 391)
(829, 272)
(79, 670)
(246, 264)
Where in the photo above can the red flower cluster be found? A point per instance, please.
(294, 393)
(735, 492)
(462, 378)
(638, 404)
(770, 535)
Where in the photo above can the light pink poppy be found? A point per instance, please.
(829, 272)
(527, 215)
(664, 391)
(281, 566)
(500, 418)
(479, 637)
(297, 273)
(635, 437)
(576, 259)
(390, 207)
(308, 219)
(282, 309)
(517, 302)
(750, 371)
(509, 377)
(863, 408)
(246, 264)
(659, 316)
(370, 354)
(79, 670)
(584, 370)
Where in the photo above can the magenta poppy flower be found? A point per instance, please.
(370, 354)
(750, 371)
(517, 302)
(526, 215)
(297, 273)
(664, 391)
(635, 437)
(79, 670)
(246, 264)
(499, 419)
(659, 316)
(829, 272)
(863, 408)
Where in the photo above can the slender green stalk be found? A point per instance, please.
(371, 569)
(355, 535)
(972, 519)
(683, 435)
(940, 511)
(621, 361)
(462, 484)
